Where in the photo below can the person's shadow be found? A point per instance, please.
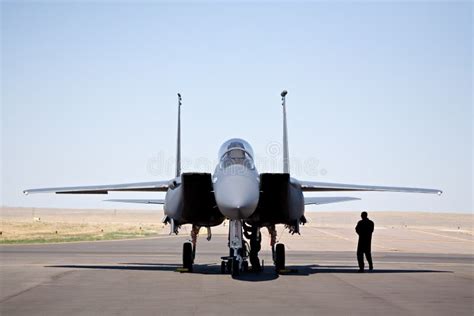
(335, 269)
(267, 274)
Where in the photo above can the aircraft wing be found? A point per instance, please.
(325, 186)
(160, 201)
(317, 200)
(104, 189)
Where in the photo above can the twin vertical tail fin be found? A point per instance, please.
(286, 158)
(178, 142)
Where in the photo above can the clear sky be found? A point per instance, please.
(379, 93)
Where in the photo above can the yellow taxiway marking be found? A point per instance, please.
(88, 241)
(440, 235)
(79, 265)
(125, 255)
(347, 239)
(351, 264)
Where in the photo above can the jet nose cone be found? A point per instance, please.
(237, 195)
(237, 208)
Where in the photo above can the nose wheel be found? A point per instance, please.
(237, 260)
(232, 266)
(235, 266)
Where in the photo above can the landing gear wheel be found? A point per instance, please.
(235, 267)
(223, 267)
(188, 256)
(279, 257)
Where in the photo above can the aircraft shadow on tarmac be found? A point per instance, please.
(267, 274)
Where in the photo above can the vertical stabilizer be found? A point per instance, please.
(178, 142)
(286, 158)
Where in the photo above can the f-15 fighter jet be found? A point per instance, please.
(237, 192)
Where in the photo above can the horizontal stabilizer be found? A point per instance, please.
(162, 201)
(317, 200)
(104, 189)
(309, 186)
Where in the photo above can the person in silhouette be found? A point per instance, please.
(253, 234)
(364, 229)
(255, 246)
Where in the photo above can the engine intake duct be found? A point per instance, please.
(200, 203)
(273, 203)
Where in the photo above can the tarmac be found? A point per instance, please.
(140, 277)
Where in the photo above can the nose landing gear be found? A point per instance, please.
(237, 259)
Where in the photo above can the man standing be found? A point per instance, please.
(253, 234)
(364, 229)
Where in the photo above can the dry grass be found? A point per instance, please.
(19, 225)
(37, 232)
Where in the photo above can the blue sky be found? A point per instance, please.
(379, 93)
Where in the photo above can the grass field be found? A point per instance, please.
(40, 232)
(21, 225)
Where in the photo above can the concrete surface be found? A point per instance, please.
(416, 273)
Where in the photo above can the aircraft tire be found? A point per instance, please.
(188, 256)
(279, 257)
(235, 267)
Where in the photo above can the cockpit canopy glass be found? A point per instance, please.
(236, 151)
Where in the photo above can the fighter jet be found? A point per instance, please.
(236, 192)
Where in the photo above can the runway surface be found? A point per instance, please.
(138, 277)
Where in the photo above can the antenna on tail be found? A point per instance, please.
(286, 158)
(178, 142)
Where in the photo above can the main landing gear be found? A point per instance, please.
(279, 258)
(278, 250)
(188, 256)
(189, 248)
